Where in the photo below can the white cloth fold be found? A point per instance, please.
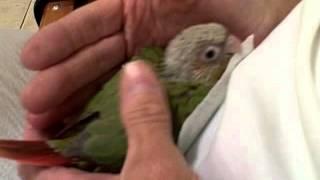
(260, 134)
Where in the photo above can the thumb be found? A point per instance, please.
(144, 108)
(152, 153)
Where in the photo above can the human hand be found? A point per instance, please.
(145, 115)
(75, 55)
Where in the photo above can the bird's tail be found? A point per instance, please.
(37, 153)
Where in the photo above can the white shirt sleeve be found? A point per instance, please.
(260, 131)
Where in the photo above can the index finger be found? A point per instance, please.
(84, 26)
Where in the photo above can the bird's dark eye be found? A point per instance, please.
(210, 54)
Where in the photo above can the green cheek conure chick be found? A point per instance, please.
(192, 63)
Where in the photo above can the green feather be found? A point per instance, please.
(102, 143)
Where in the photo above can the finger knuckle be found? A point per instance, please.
(146, 110)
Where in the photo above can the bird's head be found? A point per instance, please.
(200, 53)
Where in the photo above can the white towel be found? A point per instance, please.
(12, 79)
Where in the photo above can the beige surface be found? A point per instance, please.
(12, 79)
(30, 22)
(17, 14)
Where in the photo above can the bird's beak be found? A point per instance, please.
(233, 45)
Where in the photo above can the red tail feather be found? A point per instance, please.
(31, 152)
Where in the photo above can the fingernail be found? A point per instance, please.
(139, 77)
(133, 69)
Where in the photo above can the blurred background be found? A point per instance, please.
(17, 14)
